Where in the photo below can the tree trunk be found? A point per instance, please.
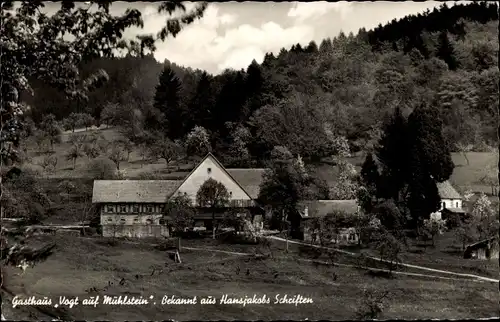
(213, 225)
(466, 158)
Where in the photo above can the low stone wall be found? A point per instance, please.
(135, 231)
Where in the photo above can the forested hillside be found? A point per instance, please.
(345, 86)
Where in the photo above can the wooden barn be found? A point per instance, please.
(485, 249)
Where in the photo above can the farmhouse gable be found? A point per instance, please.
(210, 167)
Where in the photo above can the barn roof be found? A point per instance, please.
(142, 191)
(483, 243)
(249, 180)
(446, 191)
(321, 208)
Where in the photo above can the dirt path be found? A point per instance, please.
(385, 261)
(481, 278)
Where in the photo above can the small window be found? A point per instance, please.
(123, 208)
(136, 219)
(109, 219)
(444, 204)
(209, 170)
(150, 208)
(135, 208)
(149, 221)
(122, 220)
(110, 208)
(457, 204)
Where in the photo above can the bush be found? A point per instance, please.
(102, 169)
(233, 238)
(453, 220)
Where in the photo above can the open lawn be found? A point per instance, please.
(337, 292)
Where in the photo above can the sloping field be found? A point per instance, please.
(337, 292)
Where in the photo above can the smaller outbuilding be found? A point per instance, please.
(485, 249)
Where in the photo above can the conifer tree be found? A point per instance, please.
(370, 174)
(167, 101)
(446, 52)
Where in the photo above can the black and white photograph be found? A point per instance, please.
(202, 161)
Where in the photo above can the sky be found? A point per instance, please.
(232, 34)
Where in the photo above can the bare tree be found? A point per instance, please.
(144, 151)
(389, 249)
(91, 150)
(373, 304)
(49, 163)
(74, 152)
(127, 147)
(166, 149)
(464, 148)
(40, 139)
(117, 155)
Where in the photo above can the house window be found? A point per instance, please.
(123, 208)
(149, 221)
(122, 221)
(209, 170)
(135, 208)
(444, 204)
(150, 208)
(136, 219)
(110, 208)
(109, 219)
(457, 204)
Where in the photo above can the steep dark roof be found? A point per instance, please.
(141, 191)
(249, 179)
(446, 191)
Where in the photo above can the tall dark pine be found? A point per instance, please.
(446, 52)
(167, 101)
(201, 105)
(229, 103)
(394, 153)
(430, 161)
(326, 45)
(370, 174)
(254, 84)
(426, 132)
(312, 47)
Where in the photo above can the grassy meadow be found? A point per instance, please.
(138, 269)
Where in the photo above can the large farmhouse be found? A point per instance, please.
(134, 208)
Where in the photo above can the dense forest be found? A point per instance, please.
(345, 86)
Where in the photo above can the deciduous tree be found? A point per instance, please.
(214, 196)
(198, 142)
(74, 152)
(179, 213)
